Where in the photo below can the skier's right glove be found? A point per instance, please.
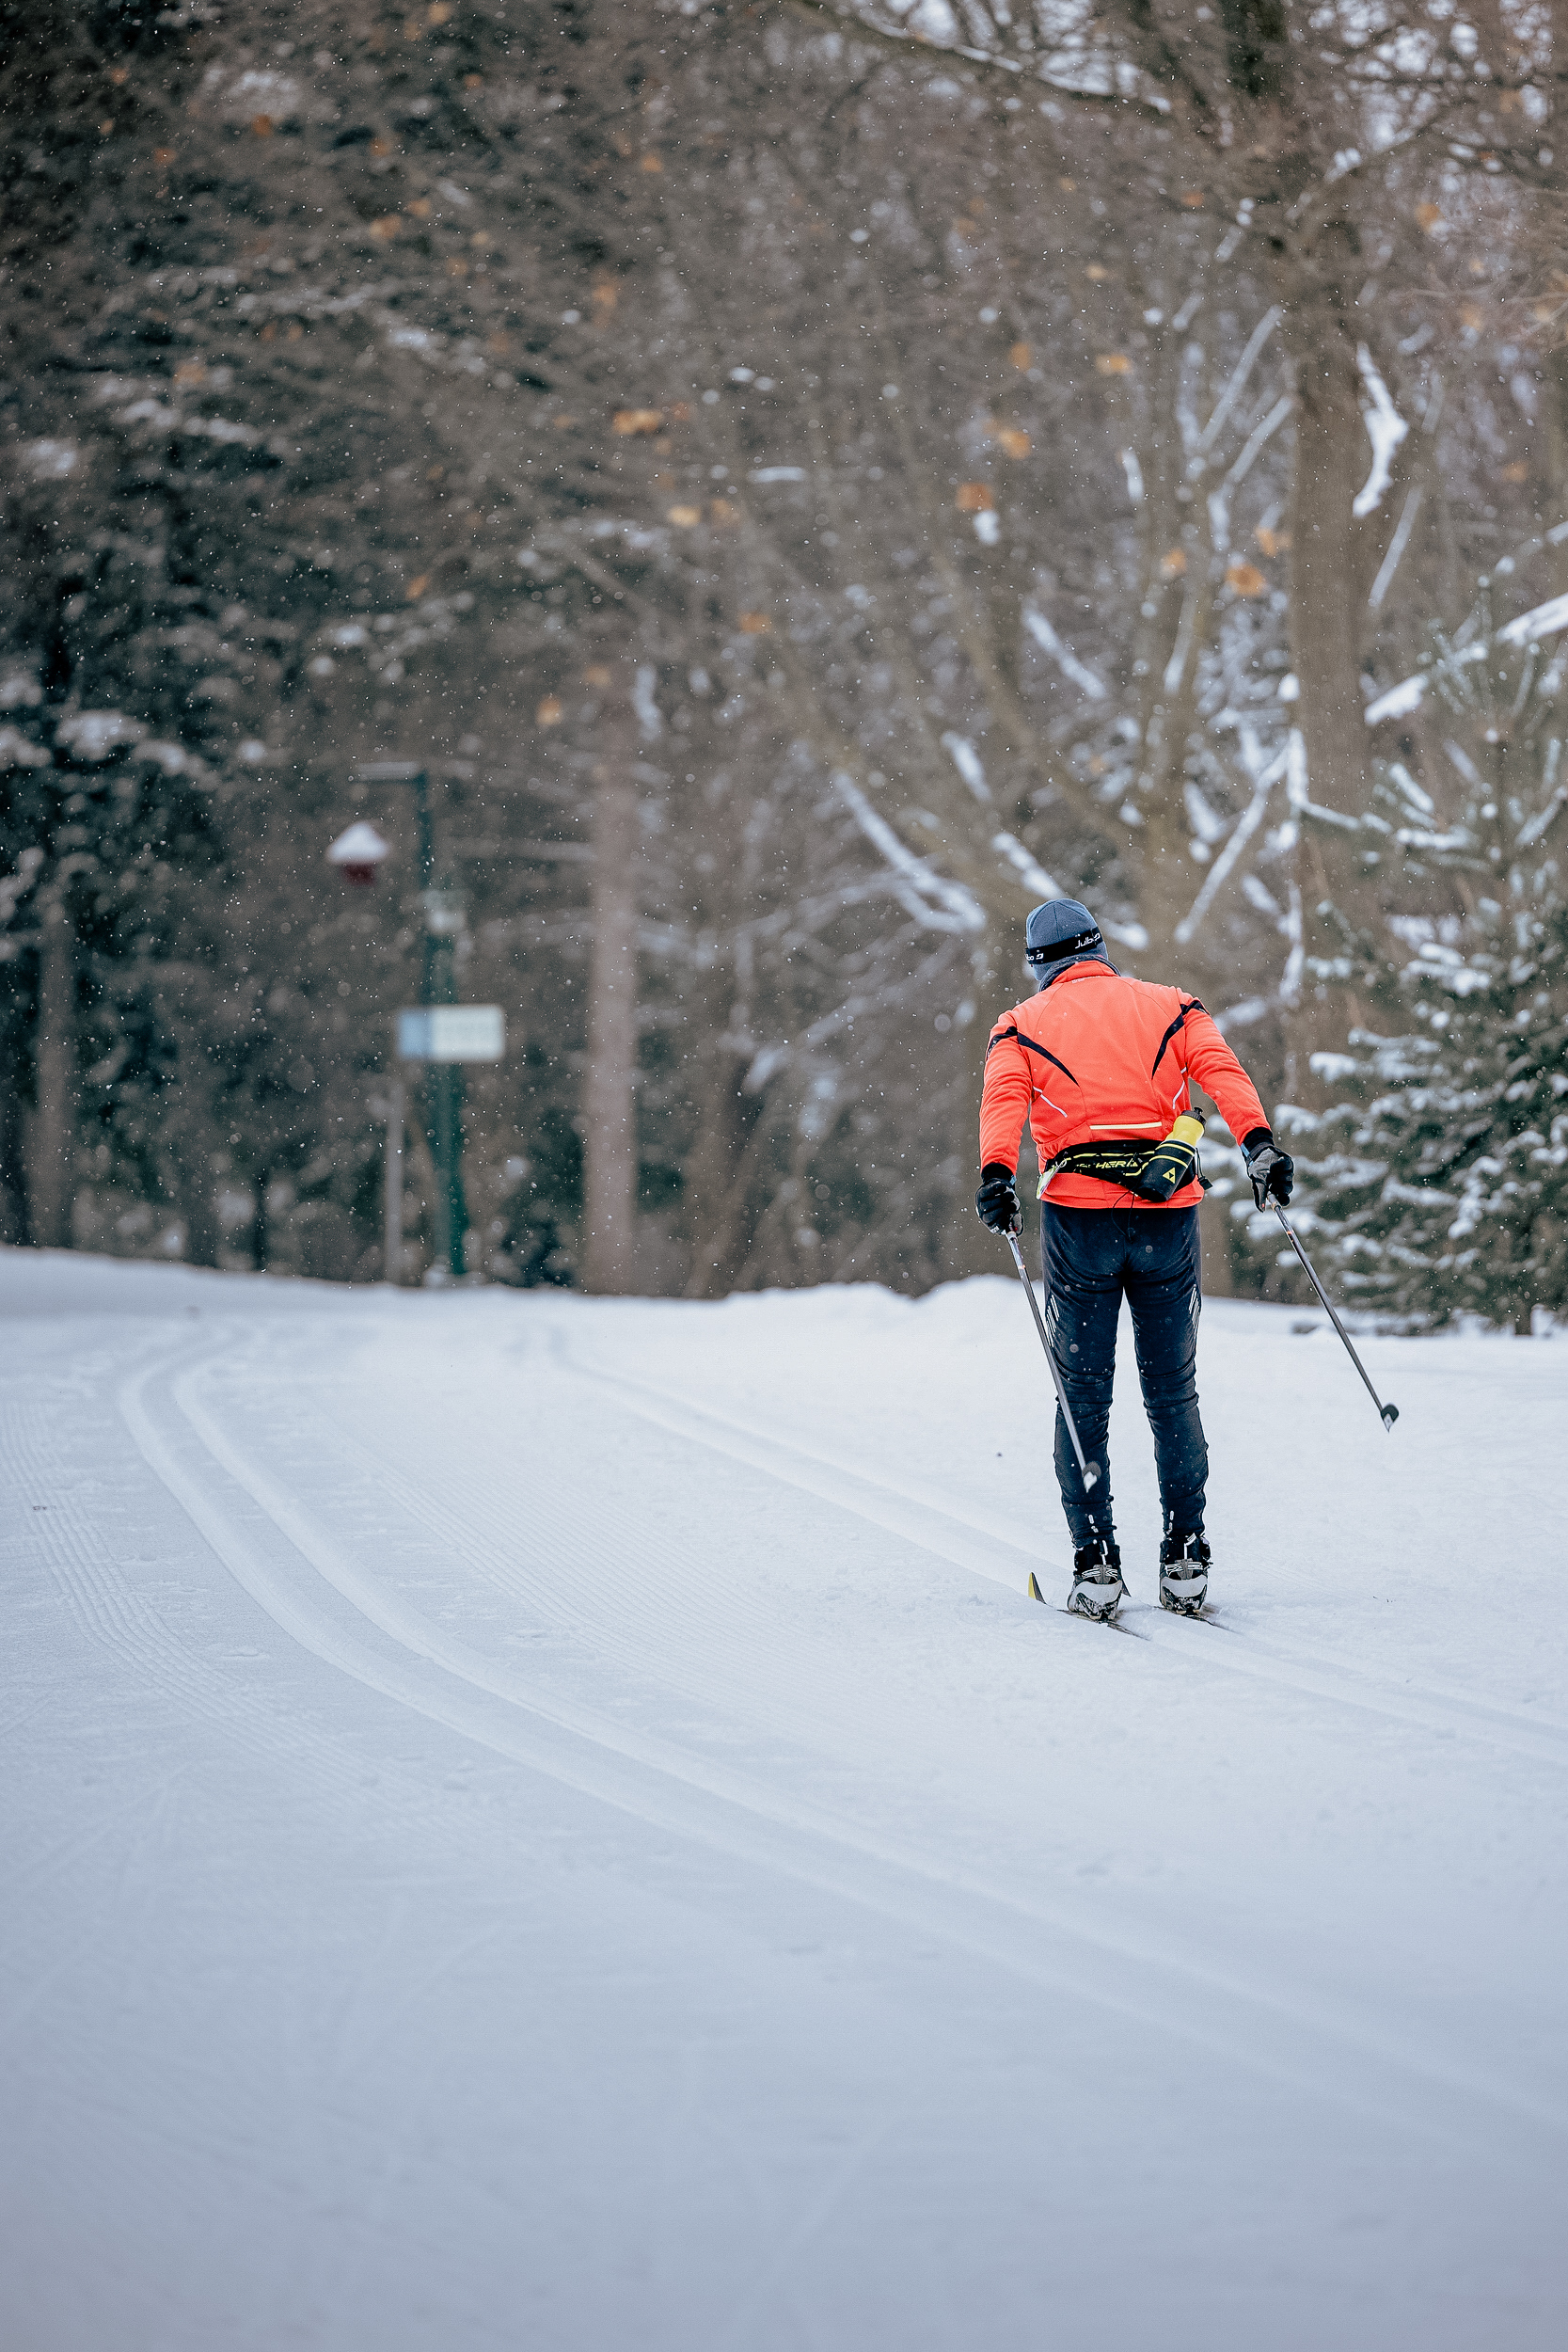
(996, 1203)
(1272, 1171)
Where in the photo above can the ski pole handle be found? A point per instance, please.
(1088, 1471)
(1388, 1414)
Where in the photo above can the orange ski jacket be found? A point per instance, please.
(1096, 1057)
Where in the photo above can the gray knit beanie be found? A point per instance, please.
(1060, 933)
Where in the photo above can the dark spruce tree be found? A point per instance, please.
(1440, 1183)
(1437, 1184)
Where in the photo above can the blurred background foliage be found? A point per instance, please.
(806, 483)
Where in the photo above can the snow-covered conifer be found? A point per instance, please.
(1437, 1184)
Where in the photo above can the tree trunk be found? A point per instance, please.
(51, 1177)
(1329, 573)
(719, 1174)
(1213, 1225)
(1334, 557)
(1554, 402)
(610, 1097)
(13, 1161)
(1176, 610)
(197, 1208)
(189, 1180)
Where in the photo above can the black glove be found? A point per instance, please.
(1272, 1171)
(996, 1203)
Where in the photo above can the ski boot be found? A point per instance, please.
(1098, 1590)
(1183, 1574)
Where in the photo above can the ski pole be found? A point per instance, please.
(1389, 1414)
(1088, 1471)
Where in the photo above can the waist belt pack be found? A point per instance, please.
(1154, 1171)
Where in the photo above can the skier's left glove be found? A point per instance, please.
(996, 1203)
(1272, 1171)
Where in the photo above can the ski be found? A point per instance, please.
(1077, 1615)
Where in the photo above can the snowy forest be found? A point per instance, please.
(804, 482)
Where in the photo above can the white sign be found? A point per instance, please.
(451, 1033)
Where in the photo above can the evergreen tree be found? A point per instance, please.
(110, 837)
(1438, 1184)
(1442, 1185)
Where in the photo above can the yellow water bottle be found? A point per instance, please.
(1174, 1162)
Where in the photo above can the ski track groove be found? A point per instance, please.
(404, 1626)
(497, 1553)
(681, 1640)
(696, 1803)
(109, 1611)
(549, 1525)
(1543, 1740)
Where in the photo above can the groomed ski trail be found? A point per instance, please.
(653, 1657)
(814, 1844)
(980, 1545)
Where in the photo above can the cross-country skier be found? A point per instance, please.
(1100, 1066)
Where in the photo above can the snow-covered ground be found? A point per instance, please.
(536, 1822)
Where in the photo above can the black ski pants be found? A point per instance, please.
(1094, 1258)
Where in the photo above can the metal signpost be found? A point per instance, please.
(441, 1033)
(444, 1036)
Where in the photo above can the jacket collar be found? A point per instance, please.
(1087, 968)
